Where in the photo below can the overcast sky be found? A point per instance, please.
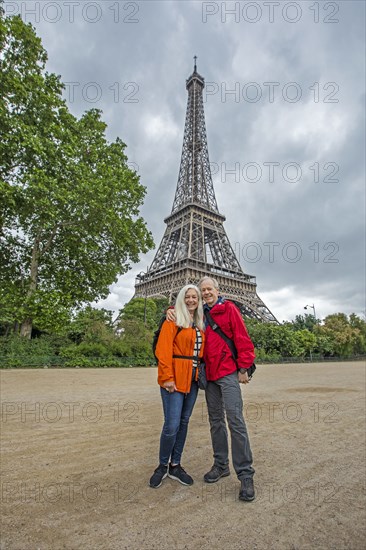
(284, 106)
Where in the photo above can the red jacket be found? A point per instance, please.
(173, 343)
(217, 355)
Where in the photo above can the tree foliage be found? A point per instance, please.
(345, 336)
(337, 336)
(91, 325)
(140, 310)
(91, 338)
(69, 209)
(306, 321)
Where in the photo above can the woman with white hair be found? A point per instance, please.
(179, 350)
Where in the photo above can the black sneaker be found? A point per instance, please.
(216, 473)
(247, 492)
(178, 473)
(157, 478)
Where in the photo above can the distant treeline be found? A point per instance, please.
(91, 338)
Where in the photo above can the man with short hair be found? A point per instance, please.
(223, 393)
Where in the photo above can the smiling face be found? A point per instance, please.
(191, 300)
(210, 293)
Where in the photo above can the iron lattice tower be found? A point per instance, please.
(195, 243)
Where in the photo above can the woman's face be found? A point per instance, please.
(191, 300)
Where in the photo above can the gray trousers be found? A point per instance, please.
(224, 395)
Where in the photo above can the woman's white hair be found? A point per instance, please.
(183, 316)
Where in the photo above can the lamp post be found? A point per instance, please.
(141, 276)
(313, 308)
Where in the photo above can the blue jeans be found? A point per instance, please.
(177, 408)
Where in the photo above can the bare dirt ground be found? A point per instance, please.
(78, 448)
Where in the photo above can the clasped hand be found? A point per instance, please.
(243, 378)
(170, 386)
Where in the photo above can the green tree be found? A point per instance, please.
(161, 307)
(136, 340)
(136, 335)
(92, 325)
(324, 344)
(306, 321)
(137, 309)
(357, 322)
(69, 214)
(347, 336)
(306, 342)
(274, 340)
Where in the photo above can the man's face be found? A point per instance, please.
(210, 294)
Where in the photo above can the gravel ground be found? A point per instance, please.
(78, 447)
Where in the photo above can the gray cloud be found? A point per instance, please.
(132, 63)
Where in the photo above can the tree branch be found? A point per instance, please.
(46, 247)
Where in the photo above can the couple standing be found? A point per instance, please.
(179, 344)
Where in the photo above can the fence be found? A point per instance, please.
(56, 361)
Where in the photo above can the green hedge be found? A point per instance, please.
(9, 362)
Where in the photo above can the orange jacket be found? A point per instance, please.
(173, 343)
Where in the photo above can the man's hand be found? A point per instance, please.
(170, 315)
(243, 378)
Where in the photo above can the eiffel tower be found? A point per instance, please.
(195, 243)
